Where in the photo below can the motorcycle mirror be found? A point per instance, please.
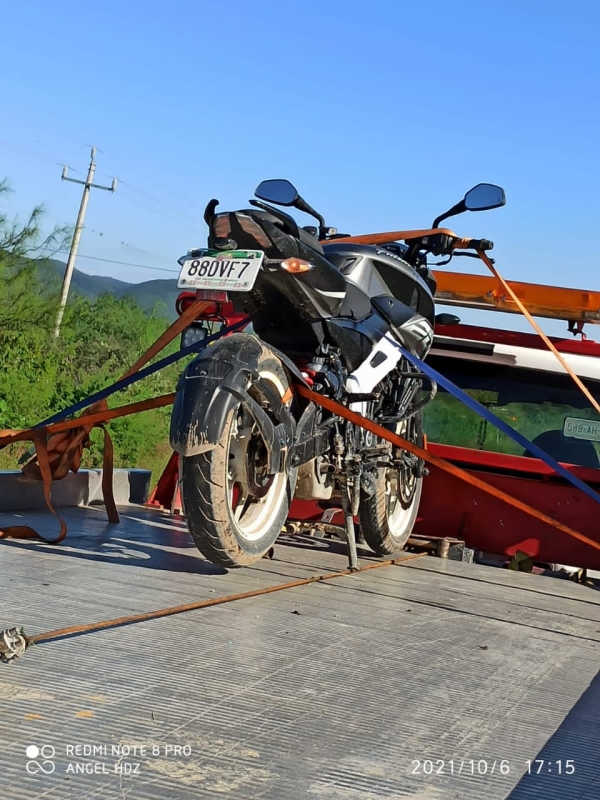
(284, 193)
(482, 197)
(280, 192)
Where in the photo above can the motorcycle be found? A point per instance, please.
(326, 310)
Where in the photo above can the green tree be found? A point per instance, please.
(100, 339)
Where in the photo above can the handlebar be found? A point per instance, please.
(438, 241)
(444, 243)
(473, 244)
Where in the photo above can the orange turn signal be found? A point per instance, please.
(296, 265)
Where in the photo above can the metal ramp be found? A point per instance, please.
(334, 691)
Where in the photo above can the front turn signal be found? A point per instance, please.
(296, 265)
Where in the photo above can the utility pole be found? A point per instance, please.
(87, 185)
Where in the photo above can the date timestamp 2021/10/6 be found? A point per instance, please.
(483, 766)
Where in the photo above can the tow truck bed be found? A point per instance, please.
(352, 689)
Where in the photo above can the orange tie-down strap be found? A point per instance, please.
(527, 314)
(99, 417)
(59, 447)
(447, 466)
(61, 453)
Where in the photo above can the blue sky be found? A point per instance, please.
(382, 113)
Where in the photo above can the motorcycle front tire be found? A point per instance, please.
(386, 522)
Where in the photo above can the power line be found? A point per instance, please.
(130, 246)
(163, 211)
(160, 202)
(125, 263)
(31, 153)
(186, 200)
(164, 206)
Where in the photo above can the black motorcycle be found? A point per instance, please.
(328, 311)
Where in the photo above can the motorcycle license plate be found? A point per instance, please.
(233, 271)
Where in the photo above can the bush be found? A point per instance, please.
(100, 339)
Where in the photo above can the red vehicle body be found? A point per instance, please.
(454, 508)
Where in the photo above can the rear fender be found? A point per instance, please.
(213, 384)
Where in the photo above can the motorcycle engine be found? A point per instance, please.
(328, 373)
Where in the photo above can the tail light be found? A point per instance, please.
(184, 301)
(213, 298)
(211, 294)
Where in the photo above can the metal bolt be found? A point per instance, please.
(444, 548)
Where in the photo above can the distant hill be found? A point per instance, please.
(147, 294)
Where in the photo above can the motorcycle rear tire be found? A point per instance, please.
(208, 487)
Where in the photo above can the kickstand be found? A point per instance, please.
(350, 532)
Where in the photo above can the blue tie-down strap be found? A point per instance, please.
(499, 423)
(143, 373)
